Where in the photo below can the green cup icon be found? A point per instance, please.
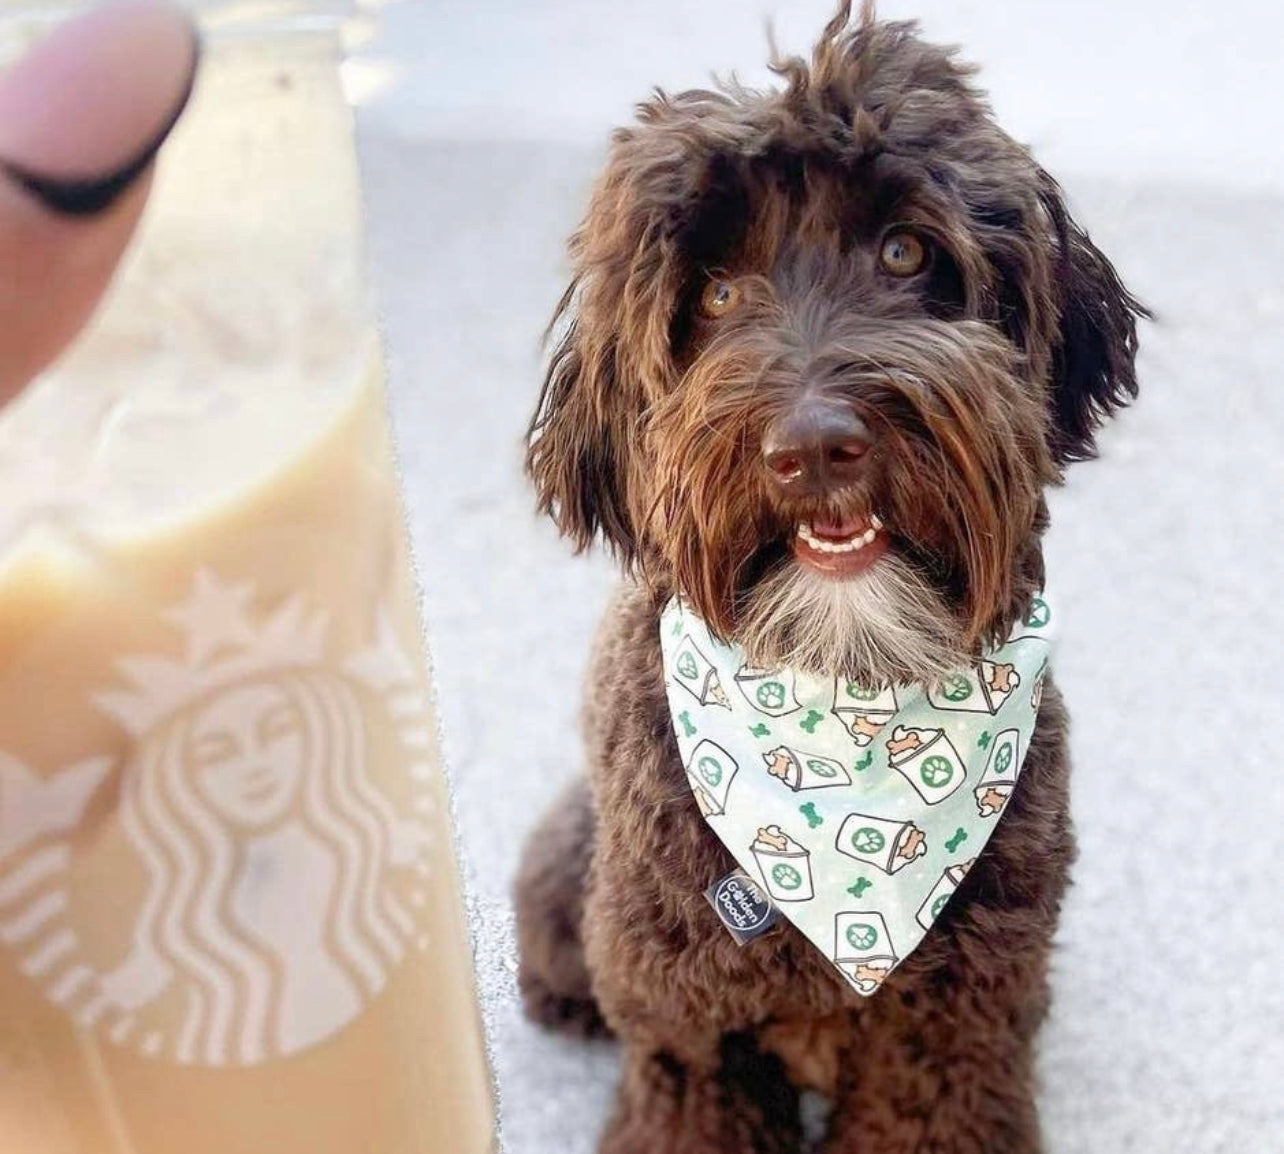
(862, 936)
(868, 840)
(936, 771)
(710, 770)
(786, 877)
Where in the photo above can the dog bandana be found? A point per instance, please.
(860, 809)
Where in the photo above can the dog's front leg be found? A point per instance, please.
(723, 1097)
(694, 1081)
(943, 1064)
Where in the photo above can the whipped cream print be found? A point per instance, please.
(860, 808)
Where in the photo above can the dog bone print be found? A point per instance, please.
(809, 812)
(983, 742)
(960, 836)
(858, 890)
(866, 761)
(760, 730)
(688, 728)
(779, 763)
(812, 720)
(1004, 678)
(903, 741)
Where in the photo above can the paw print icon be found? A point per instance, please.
(769, 691)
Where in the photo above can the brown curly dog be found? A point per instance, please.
(851, 308)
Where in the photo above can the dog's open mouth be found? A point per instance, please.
(841, 548)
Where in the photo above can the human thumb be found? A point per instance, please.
(82, 117)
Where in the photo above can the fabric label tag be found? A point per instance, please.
(742, 906)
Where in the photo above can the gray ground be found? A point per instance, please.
(1166, 1030)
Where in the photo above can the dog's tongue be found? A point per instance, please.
(832, 529)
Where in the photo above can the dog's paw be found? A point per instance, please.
(577, 1017)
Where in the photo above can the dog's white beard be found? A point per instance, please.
(885, 625)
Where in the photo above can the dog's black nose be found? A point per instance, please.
(816, 446)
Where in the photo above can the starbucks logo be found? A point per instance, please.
(862, 936)
(270, 795)
(821, 768)
(956, 688)
(939, 905)
(1003, 759)
(710, 769)
(771, 695)
(687, 667)
(868, 840)
(1039, 614)
(860, 693)
(786, 877)
(936, 771)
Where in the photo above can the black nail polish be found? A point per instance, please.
(87, 196)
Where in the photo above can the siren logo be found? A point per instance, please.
(276, 879)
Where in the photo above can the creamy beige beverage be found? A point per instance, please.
(229, 914)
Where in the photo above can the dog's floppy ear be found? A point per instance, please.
(576, 440)
(612, 356)
(1093, 369)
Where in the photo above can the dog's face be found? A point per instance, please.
(823, 350)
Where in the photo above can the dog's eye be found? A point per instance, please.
(903, 254)
(719, 298)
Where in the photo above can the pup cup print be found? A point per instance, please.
(710, 772)
(863, 949)
(939, 896)
(1037, 620)
(884, 843)
(927, 760)
(696, 674)
(785, 865)
(769, 691)
(995, 786)
(982, 689)
(805, 770)
(863, 711)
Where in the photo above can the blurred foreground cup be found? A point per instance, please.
(230, 919)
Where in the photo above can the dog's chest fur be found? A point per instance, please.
(657, 950)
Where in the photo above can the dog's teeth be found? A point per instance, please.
(820, 545)
(875, 522)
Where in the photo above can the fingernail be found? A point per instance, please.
(84, 196)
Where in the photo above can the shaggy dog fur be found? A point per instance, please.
(977, 378)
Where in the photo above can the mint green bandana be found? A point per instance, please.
(859, 809)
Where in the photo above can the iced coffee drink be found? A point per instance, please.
(229, 915)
